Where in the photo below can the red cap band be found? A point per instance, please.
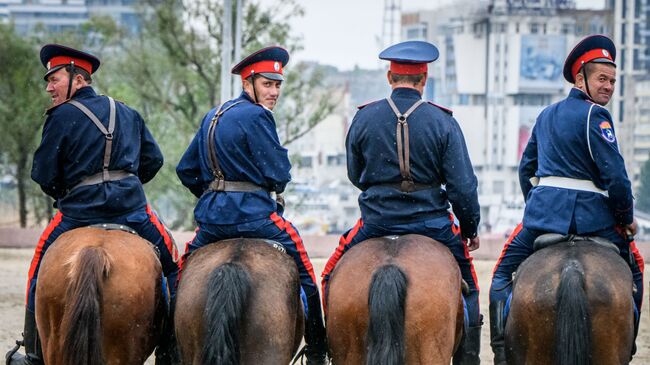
(274, 67)
(588, 57)
(408, 68)
(65, 60)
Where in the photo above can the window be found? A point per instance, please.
(305, 161)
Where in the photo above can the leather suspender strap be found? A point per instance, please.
(403, 155)
(108, 133)
(219, 183)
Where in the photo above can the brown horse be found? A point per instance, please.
(99, 299)
(571, 305)
(239, 303)
(395, 300)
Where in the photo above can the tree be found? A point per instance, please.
(22, 103)
(643, 193)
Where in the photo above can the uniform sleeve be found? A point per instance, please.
(188, 169)
(151, 158)
(611, 167)
(461, 182)
(354, 155)
(528, 164)
(268, 154)
(46, 167)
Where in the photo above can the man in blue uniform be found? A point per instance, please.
(572, 176)
(94, 156)
(235, 164)
(402, 187)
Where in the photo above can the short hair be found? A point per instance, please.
(80, 71)
(411, 79)
(589, 66)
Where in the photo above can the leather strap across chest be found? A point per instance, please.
(402, 134)
(106, 174)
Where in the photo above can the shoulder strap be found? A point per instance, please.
(212, 148)
(403, 147)
(108, 133)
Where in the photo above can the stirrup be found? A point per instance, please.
(300, 356)
(12, 352)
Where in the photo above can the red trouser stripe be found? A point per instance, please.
(39, 248)
(336, 256)
(639, 261)
(285, 225)
(505, 247)
(169, 243)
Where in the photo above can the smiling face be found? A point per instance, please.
(601, 80)
(57, 85)
(267, 91)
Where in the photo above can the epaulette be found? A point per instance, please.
(366, 104)
(446, 110)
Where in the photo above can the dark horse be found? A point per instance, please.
(238, 302)
(99, 299)
(395, 300)
(571, 305)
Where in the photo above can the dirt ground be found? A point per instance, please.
(15, 263)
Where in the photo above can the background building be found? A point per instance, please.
(63, 15)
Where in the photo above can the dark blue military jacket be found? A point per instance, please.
(249, 150)
(438, 155)
(559, 146)
(72, 148)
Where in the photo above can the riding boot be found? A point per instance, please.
(167, 349)
(636, 332)
(470, 348)
(497, 332)
(34, 354)
(315, 336)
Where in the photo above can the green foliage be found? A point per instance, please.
(643, 192)
(22, 103)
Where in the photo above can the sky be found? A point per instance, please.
(346, 33)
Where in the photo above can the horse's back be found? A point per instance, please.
(273, 298)
(531, 325)
(131, 287)
(433, 306)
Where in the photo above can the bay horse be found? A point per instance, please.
(395, 300)
(571, 305)
(99, 299)
(238, 302)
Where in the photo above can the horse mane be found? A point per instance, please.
(81, 323)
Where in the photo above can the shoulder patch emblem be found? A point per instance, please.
(607, 132)
(446, 110)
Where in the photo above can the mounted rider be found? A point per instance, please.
(572, 176)
(235, 165)
(400, 152)
(94, 156)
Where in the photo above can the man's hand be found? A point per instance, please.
(472, 243)
(631, 229)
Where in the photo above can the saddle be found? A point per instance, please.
(123, 228)
(550, 239)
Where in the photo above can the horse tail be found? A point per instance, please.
(572, 322)
(386, 302)
(82, 323)
(229, 287)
